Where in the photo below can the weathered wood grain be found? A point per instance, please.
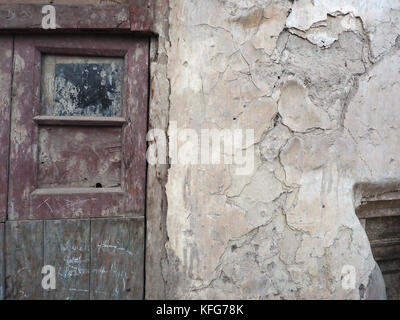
(379, 208)
(25, 201)
(383, 228)
(67, 248)
(392, 291)
(391, 273)
(79, 157)
(23, 154)
(97, 259)
(134, 132)
(53, 203)
(379, 214)
(24, 259)
(2, 262)
(141, 15)
(81, 121)
(117, 258)
(386, 250)
(89, 2)
(6, 49)
(69, 17)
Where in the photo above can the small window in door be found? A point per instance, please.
(80, 156)
(81, 86)
(84, 114)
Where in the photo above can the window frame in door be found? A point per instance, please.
(26, 201)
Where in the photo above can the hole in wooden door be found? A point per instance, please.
(79, 157)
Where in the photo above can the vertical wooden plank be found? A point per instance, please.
(6, 48)
(2, 266)
(117, 255)
(66, 247)
(134, 132)
(24, 259)
(23, 137)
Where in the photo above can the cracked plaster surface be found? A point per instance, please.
(319, 82)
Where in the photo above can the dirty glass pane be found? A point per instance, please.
(81, 86)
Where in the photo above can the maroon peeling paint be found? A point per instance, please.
(6, 44)
(50, 204)
(141, 15)
(26, 200)
(134, 17)
(79, 156)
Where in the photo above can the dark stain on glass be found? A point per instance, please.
(85, 89)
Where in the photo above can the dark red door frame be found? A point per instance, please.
(6, 53)
(25, 200)
(135, 17)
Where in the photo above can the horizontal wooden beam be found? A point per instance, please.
(379, 208)
(80, 121)
(61, 203)
(385, 242)
(135, 17)
(68, 191)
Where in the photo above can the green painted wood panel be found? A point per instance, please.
(117, 255)
(67, 248)
(24, 259)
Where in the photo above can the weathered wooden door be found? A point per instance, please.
(73, 127)
(379, 214)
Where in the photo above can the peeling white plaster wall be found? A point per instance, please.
(319, 82)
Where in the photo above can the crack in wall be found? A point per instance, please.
(331, 89)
